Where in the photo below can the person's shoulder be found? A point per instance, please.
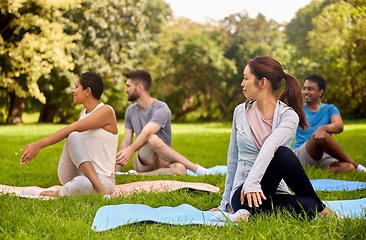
(160, 104)
(329, 107)
(326, 105)
(284, 108)
(105, 108)
(286, 111)
(241, 107)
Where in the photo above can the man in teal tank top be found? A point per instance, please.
(315, 146)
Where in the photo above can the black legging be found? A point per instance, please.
(284, 165)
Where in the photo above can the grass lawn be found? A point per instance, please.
(206, 144)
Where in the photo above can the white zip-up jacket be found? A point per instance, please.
(246, 163)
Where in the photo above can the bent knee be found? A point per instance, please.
(178, 168)
(79, 185)
(155, 141)
(284, 151)
(349, 167)
(72, 136)
(341, 167)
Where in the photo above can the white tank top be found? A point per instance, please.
(101, 146)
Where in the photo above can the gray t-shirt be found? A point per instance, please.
(158, 112)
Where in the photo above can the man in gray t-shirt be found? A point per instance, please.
(150, 120)
(158, 112)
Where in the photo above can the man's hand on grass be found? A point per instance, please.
(124, 156)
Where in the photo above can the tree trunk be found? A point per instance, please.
(47, 113)
(16, 109)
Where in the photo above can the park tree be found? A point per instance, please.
(298, 28)
(192, 71)
(116, 36)
(33, 41)
(247, 38)
(301, 63)
(201, 65)
(338, 44)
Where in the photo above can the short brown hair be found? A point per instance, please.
(141, 76)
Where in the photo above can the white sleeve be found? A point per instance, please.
(280, 136)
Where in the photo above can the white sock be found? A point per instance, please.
(238, 213)
(360, 168)
(224, 216)
(31, 192)
(35, 192)
(203, 171)
(221, 216)
(132, 171)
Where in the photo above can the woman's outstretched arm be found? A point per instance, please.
(102, 117)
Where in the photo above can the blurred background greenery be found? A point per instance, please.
(196, 68)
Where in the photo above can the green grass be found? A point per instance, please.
(206, 144)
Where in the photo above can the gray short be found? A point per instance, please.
(307, 161)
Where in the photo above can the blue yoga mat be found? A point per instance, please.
(318, 184)
(220, 169)
(348, 208)
(336, 185)
(113, 216)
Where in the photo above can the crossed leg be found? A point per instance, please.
(76, 172)
(316, 150)
(155, 157)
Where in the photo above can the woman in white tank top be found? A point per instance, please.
(88, 159)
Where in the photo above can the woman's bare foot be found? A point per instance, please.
(50, 193)
(243, 217)
(327, 212)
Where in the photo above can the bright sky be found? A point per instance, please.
(198, 10)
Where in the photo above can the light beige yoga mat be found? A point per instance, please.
(128, 188)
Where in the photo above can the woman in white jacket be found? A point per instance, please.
(259, 161)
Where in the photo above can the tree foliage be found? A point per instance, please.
(116, 36)
(329, 39)
(247, 38)
(338, 44)
(197, 68)
(297, 30)
(193, 71)
(32, 43)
